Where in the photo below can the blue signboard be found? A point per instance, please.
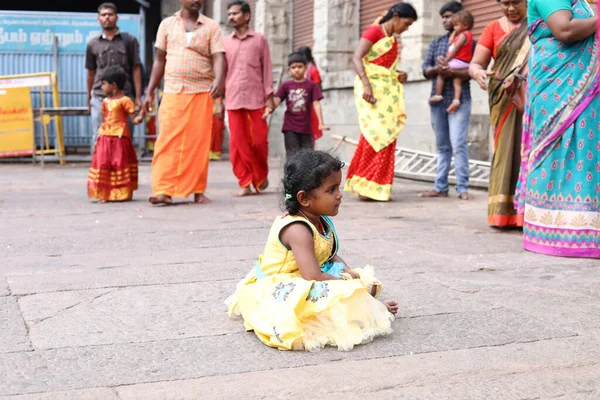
(27, 33)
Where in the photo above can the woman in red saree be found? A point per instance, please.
(505, 41)
(379, 97)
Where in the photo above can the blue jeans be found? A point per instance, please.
(451, 131)
(96, 116)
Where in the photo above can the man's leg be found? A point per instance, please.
(216, 145)
(202, 114)
(96, 119)
(240, 150)
(459, 130)
(439, 122)
(171, 121)
(259, 131)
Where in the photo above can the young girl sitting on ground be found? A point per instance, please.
(301, 295)
(459, 56)
(114, 171)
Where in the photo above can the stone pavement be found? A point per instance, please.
(125, 301)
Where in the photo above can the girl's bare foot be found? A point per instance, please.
(392, 306)
(200, 198)
(454, 106)
(102, 202)
(244, 192)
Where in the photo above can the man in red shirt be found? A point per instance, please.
(248, 89)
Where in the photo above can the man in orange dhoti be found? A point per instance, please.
(248, 88)
(190, 57)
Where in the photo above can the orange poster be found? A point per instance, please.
(16, 122)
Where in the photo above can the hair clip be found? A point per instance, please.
(288, 196)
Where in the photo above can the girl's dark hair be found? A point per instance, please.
(115, 75)
(306, 170)
(465, 17)
(307, 53)
(296, 57)
(402, 10)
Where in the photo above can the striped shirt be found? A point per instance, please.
(189, 68)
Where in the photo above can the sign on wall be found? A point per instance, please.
(16, 122)
(20, 32)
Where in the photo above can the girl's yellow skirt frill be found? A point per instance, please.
(290, 313)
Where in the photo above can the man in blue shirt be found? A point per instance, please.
(451, 130)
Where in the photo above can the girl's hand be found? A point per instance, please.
(323, 127)
(481, 78)
(368, 95)
(351, 272)
(137, 120)
(268, 112)
(402, 77)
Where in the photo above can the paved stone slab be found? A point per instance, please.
(38, 308)
(146, 256)
(562, 383)
(371, 378)
(127, 315)
(549, 277)
(567, 308)
(13, 332)
(86, 394)
(124, 276)
(129, 363)
(78, 243)
(4, 291)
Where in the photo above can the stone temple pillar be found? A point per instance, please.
(219, 14)
(273, 18)
(336, 33)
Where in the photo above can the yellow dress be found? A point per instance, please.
(290, 313)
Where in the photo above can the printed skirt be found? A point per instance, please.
(114, 171)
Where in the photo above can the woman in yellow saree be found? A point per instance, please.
(379, 97)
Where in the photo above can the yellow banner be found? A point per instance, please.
(16, 122)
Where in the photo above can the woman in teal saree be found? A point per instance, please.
(559, 185)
